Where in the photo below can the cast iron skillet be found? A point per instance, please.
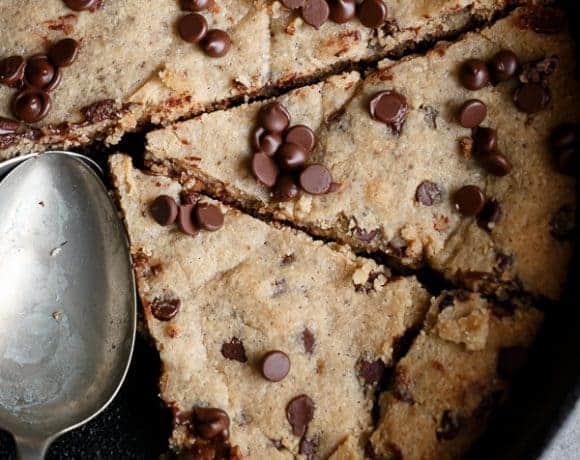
(136, 425)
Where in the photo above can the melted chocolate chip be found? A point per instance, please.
(372, 372)
(563, 223)
(315, 12)
(286, 188)
(165, 308)
(308, 340)
(474, 74)
(485, 140)
(196, 5)
(472, 113)
(234, 350)
(449, 426)
(192, 27)
(504, 65)
(342, 11)
(469, 200)
(489, 215)
(164, 210)
(429, 193)
(209, 217)
(532, 97)
(266, 142)
(275, 366)
(264, 169)
(315, 179)
(496, 163)
(299, 413)
(210, 423)
(185, 220)
(291, 157)
(99, 111)
(64, 52)
(31, 105)
(301, 135)
(274, 117)
(372, 13)
(216, 43)
(12, 70)
(391, 108)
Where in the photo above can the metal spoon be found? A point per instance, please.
(67, 302)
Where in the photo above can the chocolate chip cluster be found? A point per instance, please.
(371, 13)
(191, 216)
(193, 28)
(281, 154)
(35, 78)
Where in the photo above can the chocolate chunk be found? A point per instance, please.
(315, 179)
(372, 13)
(449, 426)
(8, 126)
(80, 5)
(12, 70)
(510, 360)
(563, 223)
(503, 65)
(264, 169)
(286, 188)
(216, 43)
(196, 5)
(496, 163)
(292, 157)
(209, 217)
(275, 366)
(474, 74)
(64, 52)
(342, 11)
(299, 413)
(489, 215)
(293, 4)
(532, 97)
(185, 220)
(544, 20)
(485, 140)
(308, 340)
(165, 308)
(428, 193)
(192, 27)
(31, 105)
(301, 135)
(469, 200)
(274, 117)
(234, 350)
(389, 107)
(209, 422)
(264, 141)
(315, 12)
(372, 372)
(164, 210)
(39, 71)
(307, 447)
(472, 113)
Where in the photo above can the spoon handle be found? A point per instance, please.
(31, 449)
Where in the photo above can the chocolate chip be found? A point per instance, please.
(274, 117)
(293, 4)
(428, 193)
(165, 308)
(185, 220)
(164, 210)
(286, 188)
(264, 169)
(472, 113)
(389, 107)
(342, 11)
(563, 223)
(496, 163)
(372, 13)
(299, 413)
(64, 52)
(449, 426)
(485, 140)
(210, 422)
(315, 12)
(307, 447)
(315, 179)
(264, 141)
(209, 217)
(31, 105)
(564, 143)
(489, 215)
(474, 74)
(469, 200)
(372, 372)
(275, 366)
(196, 5)
(291, 157)
(12, 70)
(192, 27)
(301, 135)
(532, 97)
(308, 340)
(39, 71)
(216, 43)
(510, 360)
(234, 350)
(503, 65)
(80, 5)
(8, 126)
(564, 136)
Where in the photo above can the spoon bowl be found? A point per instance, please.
(68, 304)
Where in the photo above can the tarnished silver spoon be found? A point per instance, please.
(67, 299)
